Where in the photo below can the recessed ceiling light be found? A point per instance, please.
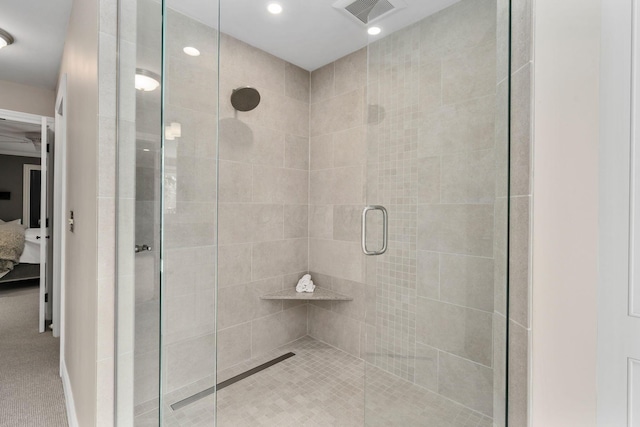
(146, 81)
(5, 38)
(274, 8)
(191, 51)
(145, 149)
(374, 31)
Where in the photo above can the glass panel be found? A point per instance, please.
(139, 212)
(437, 160)
(189, 208)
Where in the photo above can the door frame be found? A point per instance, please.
(619, 216)
(59, 212)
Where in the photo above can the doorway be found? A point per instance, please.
(26, 151)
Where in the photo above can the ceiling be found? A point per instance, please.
(308, 33)
(39, 28)
(19, 139)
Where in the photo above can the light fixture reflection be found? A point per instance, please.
(191, 51)
(5, 38)
(274, 8)
(374, 31)
(146, 81)
(173, 131)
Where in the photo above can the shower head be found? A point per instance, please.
(245, 98)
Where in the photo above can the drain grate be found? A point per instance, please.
(204, 393)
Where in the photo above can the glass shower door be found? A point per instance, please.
(437, 161)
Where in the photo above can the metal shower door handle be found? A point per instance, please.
(385, 229)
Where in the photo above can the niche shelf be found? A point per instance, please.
(319, 294)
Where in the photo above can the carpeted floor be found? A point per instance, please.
(30, 386)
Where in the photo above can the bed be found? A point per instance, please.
(12, 241)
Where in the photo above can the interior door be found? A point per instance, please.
(619, 218)
(44, 230)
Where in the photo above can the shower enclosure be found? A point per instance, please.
(377, 161)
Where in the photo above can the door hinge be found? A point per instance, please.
(46, 297)
(48, 146)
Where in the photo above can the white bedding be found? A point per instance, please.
(12, 240)
(31, 253)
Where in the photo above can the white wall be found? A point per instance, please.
(27, 99)
(80, 63)
(565, 213)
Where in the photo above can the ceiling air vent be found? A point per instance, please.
(367, 11)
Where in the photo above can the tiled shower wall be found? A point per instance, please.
(337, 183)
(264, 181)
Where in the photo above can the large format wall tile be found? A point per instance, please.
(461, 229)
(243, 222)
(468, 177)
(253, 144)
(521, 131)
(350, 71)
(454, 329)
(519, 260)
(235, 182)
(428, 267)
(296, 221)
(278, 329)
(467, 281)
(519, 339)
(466, 382)
(278, 258)
(336, 114)
(189, 360)
(337, 186)
(334, 329)
(297, 83)
(241, 61)
(469, 73)
(322, 83)
(321, 221)
(427, 367)
(441, 133)
(233, 344)
(278, 185)
(234, 265)
(336, 258)
(346, 222)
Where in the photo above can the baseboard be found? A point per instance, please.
(68, 396)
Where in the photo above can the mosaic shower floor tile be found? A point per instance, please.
(320, 386)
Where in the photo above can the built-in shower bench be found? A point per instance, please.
(319, 294)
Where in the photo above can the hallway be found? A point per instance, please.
(30, 386)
